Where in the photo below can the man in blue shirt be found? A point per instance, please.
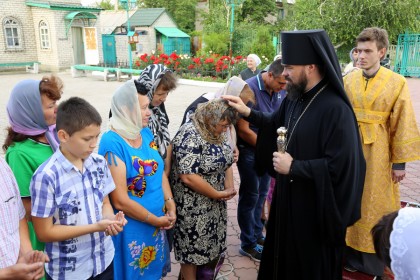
(268, 89)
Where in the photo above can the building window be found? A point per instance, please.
(13, 33)
(44, 35)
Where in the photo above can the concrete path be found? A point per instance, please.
(99, 94)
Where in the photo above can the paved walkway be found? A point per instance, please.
(99, 94)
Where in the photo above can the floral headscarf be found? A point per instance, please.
(159, 121)
(207, 116)
(25, 112)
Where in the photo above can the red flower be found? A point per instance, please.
(157, 61)
(197, 60)
(224, 67)
(143, 56)
(238, 57)
(167, 62)
(191, 66)
(137, 63)
(164, 56)
(209, 60)
(153, 57)
(174, 56)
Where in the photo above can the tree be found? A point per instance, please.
(257, 10)
(105, 4)
(344, 20)
(182, 11)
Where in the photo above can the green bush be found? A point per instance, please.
(216, 43)
(263, 45)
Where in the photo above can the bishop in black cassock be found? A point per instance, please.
(319, 194)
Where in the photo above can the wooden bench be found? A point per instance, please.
(106, 72)
(32, 66)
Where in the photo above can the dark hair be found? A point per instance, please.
(380, 235)
(373, 34)
(168, 81)
(75, 114)
(230, 115)
(276, 68)
(141, 89)
(52, 87)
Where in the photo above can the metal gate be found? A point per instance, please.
(407, 60)
(109, 50)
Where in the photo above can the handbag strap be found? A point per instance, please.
(222, 275)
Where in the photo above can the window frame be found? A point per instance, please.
(15, 34)
(44, 38)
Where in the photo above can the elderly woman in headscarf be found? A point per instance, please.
(31, 138)
(234, 86)
(252, 62)
(202, 155)
(157, 81)
(353, 61)
(142, 189)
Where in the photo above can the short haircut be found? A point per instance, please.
(168, 81)
(51, 86)
(374, 34)
(381, 233)
(75, 114)
(276, 68)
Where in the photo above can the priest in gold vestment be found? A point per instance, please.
(390, 138)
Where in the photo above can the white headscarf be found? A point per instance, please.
(126, 113)
(255, 58)
(405, 244)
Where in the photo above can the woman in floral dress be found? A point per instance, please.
(202, 157)
(142, 190)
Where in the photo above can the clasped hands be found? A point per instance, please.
(282, 162)
(114, 225)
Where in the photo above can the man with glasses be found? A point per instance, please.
(268, 89)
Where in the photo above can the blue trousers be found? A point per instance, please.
(252, 193)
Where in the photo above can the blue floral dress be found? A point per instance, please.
(140, 249)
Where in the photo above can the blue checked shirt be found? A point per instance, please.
(72, 197)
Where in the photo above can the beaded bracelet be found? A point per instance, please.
(171, 198)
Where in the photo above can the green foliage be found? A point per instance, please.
(105, 4)
(217, 43)
(262, 44)
(217, 19)
(257, 10)
(182, 11)
(344, 20)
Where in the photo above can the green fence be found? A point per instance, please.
(407, 60)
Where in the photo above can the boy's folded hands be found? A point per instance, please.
(113, 226)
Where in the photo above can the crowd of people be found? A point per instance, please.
(332, 184)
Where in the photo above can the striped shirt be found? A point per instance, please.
(11, 212)
(72, 197)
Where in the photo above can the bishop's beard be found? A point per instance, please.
(295, 90)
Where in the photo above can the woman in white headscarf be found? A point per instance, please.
(252, 62)
(397, 243)
(142, 188)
